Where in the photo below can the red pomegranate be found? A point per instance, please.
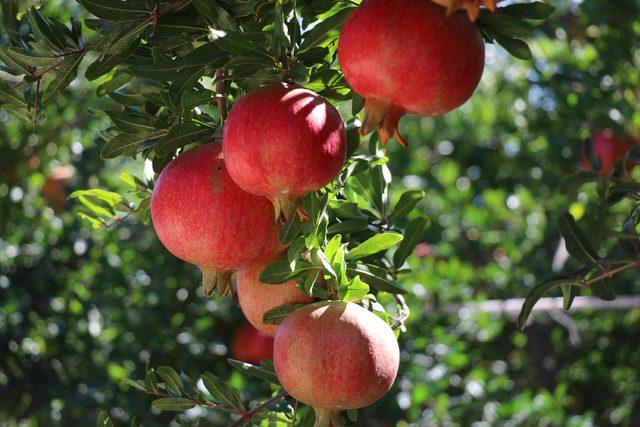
(283, 142)
(251, 346)
(202, 217)
(335, 356)
(409, 57)
(256, 298)
(609, 148)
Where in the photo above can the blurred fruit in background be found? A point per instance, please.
(251, 346)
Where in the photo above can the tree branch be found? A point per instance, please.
(250, 414)
(607, 274)
(405, 312)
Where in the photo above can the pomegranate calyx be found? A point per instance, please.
(385, 117)
(286, 208)
(472, 7)
(327, 418)
(216, 282)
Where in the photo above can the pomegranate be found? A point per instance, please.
(283, 142)
(409, 57)
(471, 6)
(202, 217)
(609, 148)
(256, 298)
(251, 346)
(54, 188)
(335, 356)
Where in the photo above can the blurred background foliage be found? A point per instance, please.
(82, 309)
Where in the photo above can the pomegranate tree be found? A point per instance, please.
(283, 142)
(251, 346)
(409, 57)
(256, 298)
(335, 356)
(202, 217)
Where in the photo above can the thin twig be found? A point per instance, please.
(221, 98)
(405, 312)
(173, 6)
(203, 403)
(250, 414)
(610, 273)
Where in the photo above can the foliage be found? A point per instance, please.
(493, 207)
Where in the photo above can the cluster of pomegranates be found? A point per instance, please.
(220, 207)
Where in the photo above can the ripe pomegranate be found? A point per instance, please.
(54, 188)
(256, 298)
(251, 346)
(409, 57)
(283, 142)
(609, 149)
(335, 356)
(471, 6)
(202, 217)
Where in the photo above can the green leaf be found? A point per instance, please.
(222, 392)
(280, 272)
(216, 14)
(535, 11)
(30, 58)
(276, 315)
(603, 290)
(255, 371)
(378, 243)
(576, 242)
(291, 230)
(115, 9)
(11, 95)
(150, 381)
(65, 74)
(117, 80)
(171, 379)
(104, 420)
(296, 250)
(239, 44)
(106, 63)
(569, 293)
(349, 226)
(173, 404)
(354, 291)
(99, 201)
(320, 33)
(377, 281)
(6, 57)
(414, 234)
(135, 385)
(408, 201)
(134, 122)
(537, 292)
(515, 47)
(127, 144)
(180, 135)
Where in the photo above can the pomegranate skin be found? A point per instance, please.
(256, 298)
(335, 356)
(251, 346)
(408, 56)
(202, 217)
(609, 148)
(283, 142)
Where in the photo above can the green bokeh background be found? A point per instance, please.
(82, 309)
